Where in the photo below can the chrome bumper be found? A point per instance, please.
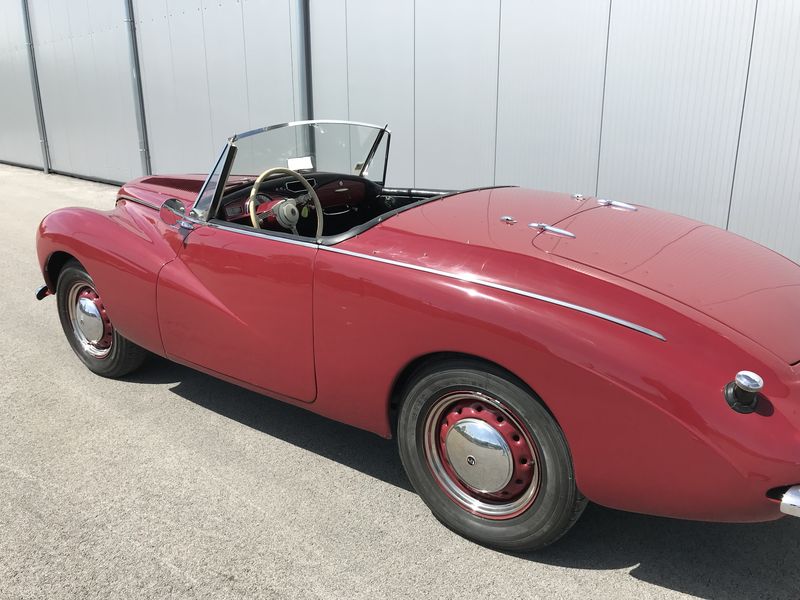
(790, 503)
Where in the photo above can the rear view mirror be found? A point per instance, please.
(172, 211)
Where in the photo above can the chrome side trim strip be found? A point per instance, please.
(459, 277)
(137, 201)
(498, 286)
(261, 234)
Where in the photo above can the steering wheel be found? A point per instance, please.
(286, 210)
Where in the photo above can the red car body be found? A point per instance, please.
(628, 332)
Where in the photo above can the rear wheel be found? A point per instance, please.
(88, 328)
(486, 456)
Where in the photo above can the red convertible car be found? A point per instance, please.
(529, 350)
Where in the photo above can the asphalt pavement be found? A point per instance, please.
(170, 483)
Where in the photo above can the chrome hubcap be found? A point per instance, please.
(89, 321)
(90, 324)
(479, 455)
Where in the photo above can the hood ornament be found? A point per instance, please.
(508, 219)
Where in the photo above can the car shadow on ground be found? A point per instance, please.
(709, 560)
(355, 448)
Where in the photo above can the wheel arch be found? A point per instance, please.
(426, 361)
(53, 266)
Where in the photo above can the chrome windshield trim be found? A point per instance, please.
(195, 210)
(498, 286)
(245, 134)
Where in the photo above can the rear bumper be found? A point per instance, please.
(790, 502)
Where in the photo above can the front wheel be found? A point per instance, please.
(487, 457)
(88, 328)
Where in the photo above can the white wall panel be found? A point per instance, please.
(211, 69)
(85, 80)
(19, 135)
(362, 57)
(455, 92)
(674, 90)
(766, 193)
(380, 59)
(550, 98)
(329, 59)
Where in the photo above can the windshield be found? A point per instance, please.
(308, 146)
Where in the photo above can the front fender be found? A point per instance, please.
(123, 250)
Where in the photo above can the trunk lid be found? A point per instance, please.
(733, 280)
(478, 217)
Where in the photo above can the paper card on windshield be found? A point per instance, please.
(299, 163)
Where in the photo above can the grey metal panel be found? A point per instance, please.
(329, 43)
(87, 96)
(19, 136)
(175, 85)
(675, 83)
(269, 34)
(211, 69)
(380, 60)
(455, 92)
(329, 59)
(766, 193)
(550, 95)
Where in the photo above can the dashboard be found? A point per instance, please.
(341, 196)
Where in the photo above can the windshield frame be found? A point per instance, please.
(203, 213)
(382, 131)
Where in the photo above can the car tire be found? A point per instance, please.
(487, 457)
(89, 330)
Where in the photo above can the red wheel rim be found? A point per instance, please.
(90, 323)
(481, 455)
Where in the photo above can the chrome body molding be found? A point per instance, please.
(469, 278)
(137, 201)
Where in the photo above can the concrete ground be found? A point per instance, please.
(173, 484)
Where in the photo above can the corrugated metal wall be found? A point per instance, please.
(87, 96)
(691, 106)
(211, 69)
(550, 93)
(638, 101)
(19, 135)
(766, 192)
(675, 84)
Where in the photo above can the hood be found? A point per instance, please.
(155, 189)
(741, 284)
